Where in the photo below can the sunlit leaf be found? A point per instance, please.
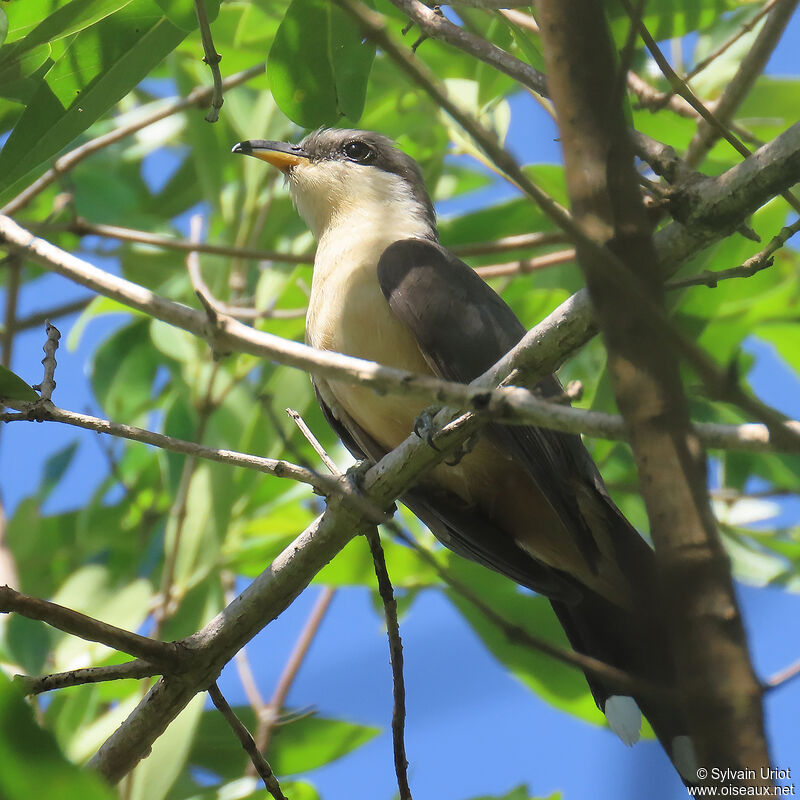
(100, 65)
(31, 764)
(12, 387)
(299, 746)
(318, 65)
(182, 14)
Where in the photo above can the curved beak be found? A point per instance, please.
(280, 154)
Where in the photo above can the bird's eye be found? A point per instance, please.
(358, 151)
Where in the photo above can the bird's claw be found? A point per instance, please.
(356, 474)
(464, 449)
(424, 427)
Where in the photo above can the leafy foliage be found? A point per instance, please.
(71, 70)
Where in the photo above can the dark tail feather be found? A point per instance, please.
(635, 642)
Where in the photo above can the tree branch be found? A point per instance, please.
(165, 654)
(739, 86)
(212, 58)
(723, 707)
(386, 592)
(78, 677)
(243, 735)
(436, 26)
(81, 227)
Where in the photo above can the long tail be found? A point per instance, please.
(634, 640)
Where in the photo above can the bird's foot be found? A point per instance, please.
(464, 449)
(424, 427)
(356, 474)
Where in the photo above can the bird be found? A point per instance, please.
(526, 502)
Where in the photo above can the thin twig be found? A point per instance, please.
(783, 677)
(212, 58)
(526, 265)
(437, 26)
(744, 28)
(166, 654)
(48, 384)
(271, 713)
(243, 735)
(519, 242)
(761, 260)
(137, 669)
(386, 592)
(10, 324)
(81, 227)
(47, 412)
(312, 440)
(40, 317)
(68, 161)
(737, 88)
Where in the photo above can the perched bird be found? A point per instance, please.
(526, 502)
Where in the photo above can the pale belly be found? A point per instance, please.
(361, 324)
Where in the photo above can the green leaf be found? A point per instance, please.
(318, 65)
(12, 387)
(31, 765)
(99, 66)
(154, 776)
(123, 371)
(561, 686)
(667, 19)
(296, 747)
(3, 26)
(36, 21)
(54, 469)
(518, 793)
(182, 15)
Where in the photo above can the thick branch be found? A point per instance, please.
(723, 706)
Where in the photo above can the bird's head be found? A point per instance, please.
(350, 177)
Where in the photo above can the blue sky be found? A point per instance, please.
(472, 728)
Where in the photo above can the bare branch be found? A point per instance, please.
(436, 26)
(162, 110)
(753, 63)
(81, 227)
(41, 317)
(48, 384)
(386, 592)
(526, 265)
(783, 677)
(45, 411)
(243, 735)
(522, 241)
(165, 654)
(10, 324)
(695, 589)
(78, 677)
(212, 58)
(312, 440)
(744, 28)
(271, 713)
